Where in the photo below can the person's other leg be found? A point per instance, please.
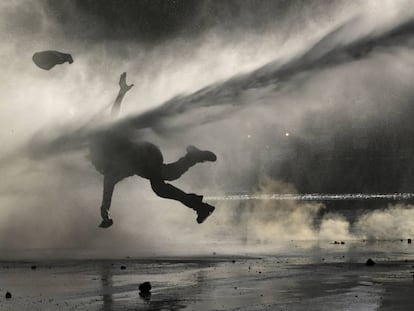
(175, 170)
(191, 200)
(108, 190)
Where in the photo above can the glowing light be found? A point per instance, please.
(248, 136)
(287, 134)
(313, 197)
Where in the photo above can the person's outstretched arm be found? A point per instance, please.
(123, 89)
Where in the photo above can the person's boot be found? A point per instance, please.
(203, 211)
(197, 155)
(195, 199)
(106, 223)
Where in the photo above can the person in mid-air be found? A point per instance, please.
(117, 157)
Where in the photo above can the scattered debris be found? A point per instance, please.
(145, 287)
(48, 59)
(370, 262)
(145, 290)
(8, 295)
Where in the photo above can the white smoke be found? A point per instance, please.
(269, 221)
(394, 222)
(54, 203)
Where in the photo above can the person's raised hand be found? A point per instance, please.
(122, 83)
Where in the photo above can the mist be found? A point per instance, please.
(314, 71)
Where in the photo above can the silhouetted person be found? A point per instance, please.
(49, 59)
(116, 157)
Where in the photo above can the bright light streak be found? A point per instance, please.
(313, 197)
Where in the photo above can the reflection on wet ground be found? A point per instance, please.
(316, 277)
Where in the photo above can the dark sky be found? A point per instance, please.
(153, 21)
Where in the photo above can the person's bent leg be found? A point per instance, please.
(108, 190)
(168, 191)
(193, 201)
(175, 170)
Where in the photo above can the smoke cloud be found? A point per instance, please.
(232, 85)
(268, 221)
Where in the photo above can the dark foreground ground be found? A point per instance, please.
(305, 276)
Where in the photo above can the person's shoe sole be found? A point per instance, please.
(106, 223)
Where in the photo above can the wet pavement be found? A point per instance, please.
(321, 276)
